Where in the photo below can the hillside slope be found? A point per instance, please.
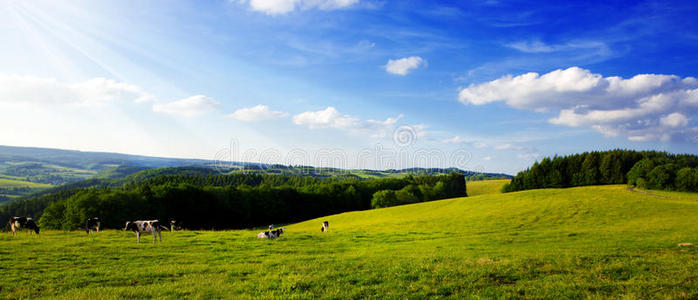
(596, 242)
(484, 187)
(585, 213)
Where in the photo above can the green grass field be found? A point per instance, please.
(8, 188)
(10, 183)
(484, 187)
(589, 242)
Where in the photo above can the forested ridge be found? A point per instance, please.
(644, 169)
(226, 201)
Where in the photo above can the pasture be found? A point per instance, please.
(597, 242)
(484, 187)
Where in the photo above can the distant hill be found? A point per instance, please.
(28, 170)
(25, 170)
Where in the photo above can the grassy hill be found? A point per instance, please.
(598, 242)
(13, 188)
(485, 187)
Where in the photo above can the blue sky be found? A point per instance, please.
(480, 85)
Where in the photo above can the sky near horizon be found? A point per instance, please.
(480, 85)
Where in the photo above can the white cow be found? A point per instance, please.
(139, 227)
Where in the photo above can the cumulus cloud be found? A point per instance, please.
(93, 92)
(188, 107)
(404, 66)
(674, 120)
(257, 113)
(331, 118)
(280, 7)
(643, 108)
(327, 118)
(487, 158)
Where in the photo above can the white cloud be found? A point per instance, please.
(280, 7)
(644, 107)
(381, 129)
(528, 156)
(674, 120)
(421, 130)
(331, 118)
(537, 46)
(256, 113)
(93, 92)
(487, 158)
(461, 140)
(327, 118)
(454, 140)
(404, 66)
(526, 149)
(534, 46)
(188, 107)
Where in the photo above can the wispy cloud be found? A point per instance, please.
(454, 140)
(256, 113)
(526, 149)
(188, 107)
(93, 92)
(280, 7)
(537, 46)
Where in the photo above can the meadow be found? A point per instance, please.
(11, 188)
(585, 242)
(484, 187)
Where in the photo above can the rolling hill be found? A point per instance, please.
(38, 169)
(584, 242)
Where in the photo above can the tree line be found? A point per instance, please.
(645, 169)
(229, 201)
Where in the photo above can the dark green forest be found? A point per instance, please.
(209, 201)
(644, 169)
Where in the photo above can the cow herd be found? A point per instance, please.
(139, 227)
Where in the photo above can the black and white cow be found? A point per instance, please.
(325, 226)
(92, 224)
(139, 227)
(271, 234)
(17, 223)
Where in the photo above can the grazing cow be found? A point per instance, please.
(92, 224)
(139, 227)
(325, 226)
(272, 234)
(17, 223)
